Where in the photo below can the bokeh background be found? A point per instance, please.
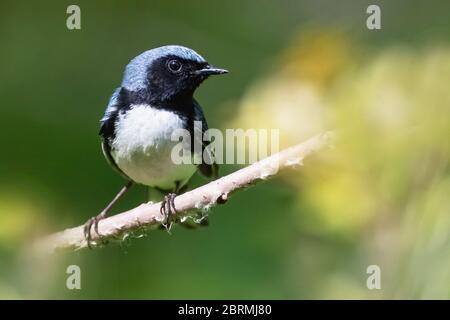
(380, 197)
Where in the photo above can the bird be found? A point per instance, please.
(155, 98)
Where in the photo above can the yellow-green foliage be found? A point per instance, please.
(386, 184)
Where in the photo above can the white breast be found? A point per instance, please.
(142, 147)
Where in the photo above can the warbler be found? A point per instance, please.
(155, 98)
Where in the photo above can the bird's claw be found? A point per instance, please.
(168, 209)
(88, 226)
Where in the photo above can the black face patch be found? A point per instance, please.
(166, 86)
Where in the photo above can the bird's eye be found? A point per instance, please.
(174, 66)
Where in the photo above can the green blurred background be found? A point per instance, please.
(381, 196)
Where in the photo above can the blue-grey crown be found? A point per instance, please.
(135, 75)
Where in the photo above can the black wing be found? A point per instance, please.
(107, 133)
(209, 168)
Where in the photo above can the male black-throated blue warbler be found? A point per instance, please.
(154, 99)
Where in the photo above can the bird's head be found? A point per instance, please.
(168, 73)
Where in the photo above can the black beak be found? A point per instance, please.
(209, 70)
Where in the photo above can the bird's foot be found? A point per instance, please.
(88, 226)
(168, 209)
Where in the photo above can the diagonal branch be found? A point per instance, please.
(121, 225)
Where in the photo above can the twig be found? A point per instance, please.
(218, 191)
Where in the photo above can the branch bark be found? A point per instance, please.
(121, 225)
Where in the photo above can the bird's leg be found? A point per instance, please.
(168, 209)
(168, 204)
(95, 220)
